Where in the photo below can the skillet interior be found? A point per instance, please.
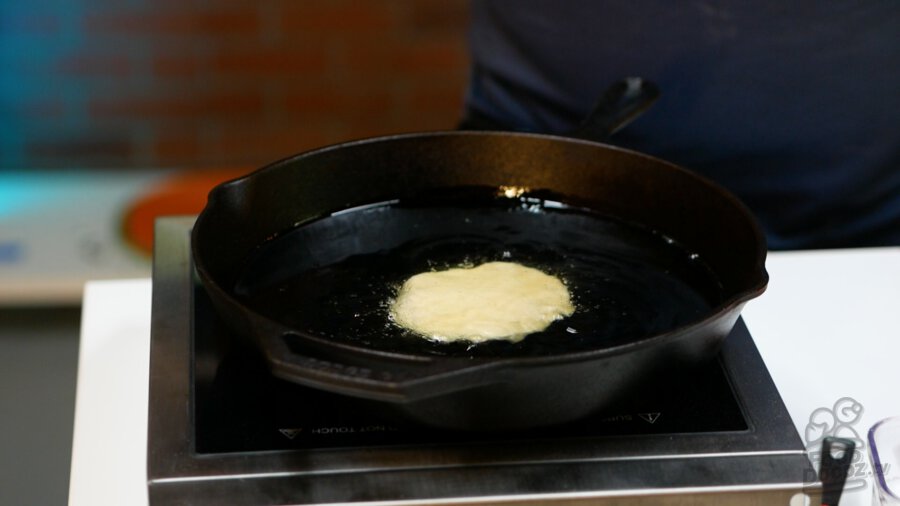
(247, 216)
(335, 277)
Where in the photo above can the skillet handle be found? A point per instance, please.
(621, 104)
(297, 359)
(833, 470)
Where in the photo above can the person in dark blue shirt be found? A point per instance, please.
(793, 106)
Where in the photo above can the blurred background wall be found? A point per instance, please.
(190, 83)
(182, 84)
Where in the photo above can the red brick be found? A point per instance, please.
(430, 56)
(400, 61)
(176, 148)
(403, 120)
(85, 65)
(324, 71)
(444, 102)
(338, 103)
(181, 107)
(338, 17)
(270, 62)
(96, 149)
(177, 65)
(365, 129)
(175, 22)
(444, 17)
(369, 59)
(264, 144)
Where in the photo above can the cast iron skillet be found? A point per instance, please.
(302, 256)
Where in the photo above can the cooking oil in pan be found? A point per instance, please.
(336, 277)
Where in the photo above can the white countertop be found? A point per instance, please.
(826, 328)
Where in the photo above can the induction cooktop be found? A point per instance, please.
(222, 430)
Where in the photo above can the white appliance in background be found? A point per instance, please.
(60, 228)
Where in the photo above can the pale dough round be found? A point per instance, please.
(496, 300)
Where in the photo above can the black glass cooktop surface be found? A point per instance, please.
(239, 406)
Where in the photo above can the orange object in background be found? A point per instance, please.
(181, 194)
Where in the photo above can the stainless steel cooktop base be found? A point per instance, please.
(763, 465)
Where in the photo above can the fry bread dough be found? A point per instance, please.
(496, 300)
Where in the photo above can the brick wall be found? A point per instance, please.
(147, 83)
